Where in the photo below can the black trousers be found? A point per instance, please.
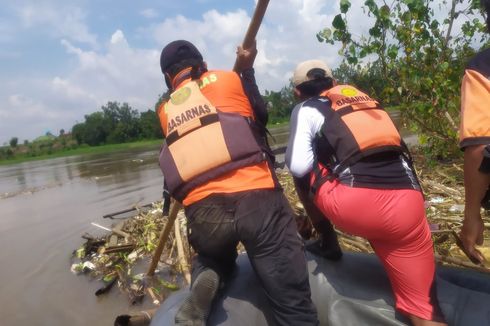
(264, 222)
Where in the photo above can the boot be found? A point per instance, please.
(327, 245)
(195, 309)
(320, 248)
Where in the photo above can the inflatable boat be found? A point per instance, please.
(353, 291)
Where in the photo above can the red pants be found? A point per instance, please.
(395, 224)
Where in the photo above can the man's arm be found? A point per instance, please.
(244, 65)
(252, 91)
(476, 185)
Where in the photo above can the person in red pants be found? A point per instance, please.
(362, 179)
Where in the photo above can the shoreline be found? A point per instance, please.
(154, 143)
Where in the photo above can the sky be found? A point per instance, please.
(61, 60)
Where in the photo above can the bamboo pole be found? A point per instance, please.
(163, 237)
(253, 27)
(184, 265)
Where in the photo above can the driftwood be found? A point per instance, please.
(442, 188)
(111, 215)
(106, 288)
(353, 241)
(154, 297)
(457, 261)
(118, 248)
(116, 231)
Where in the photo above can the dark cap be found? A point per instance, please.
(177, 51)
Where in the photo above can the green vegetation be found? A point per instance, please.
(85, 149)
(414, 62)
(280, 104)
(114, 125)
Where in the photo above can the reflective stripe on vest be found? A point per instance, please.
(202, 143)
(356, 126)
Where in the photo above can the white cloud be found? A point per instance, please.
(119, 38)
(61, 20)
(119, 73)
(149, 13)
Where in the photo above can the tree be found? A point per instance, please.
(93, 131)
(13, 142)
(122, 122)
(368, 78)
(150, 125)
(419, 59)
(280, 104)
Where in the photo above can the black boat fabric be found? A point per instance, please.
(353, 291)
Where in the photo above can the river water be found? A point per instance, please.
(45, 208)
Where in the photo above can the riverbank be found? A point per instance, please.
(283, 129)
(145, 144)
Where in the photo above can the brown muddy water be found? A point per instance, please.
(45, 207)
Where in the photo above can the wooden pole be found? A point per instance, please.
(181, 253)
(163, 237)
(253, 27)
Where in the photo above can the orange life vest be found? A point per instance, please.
(209, 146)
(355, 126)
(475, 102)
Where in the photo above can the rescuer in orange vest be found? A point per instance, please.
(216, 161)
(474, 134)
(362, 179)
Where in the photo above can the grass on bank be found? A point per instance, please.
(85, 149)
(154, 143)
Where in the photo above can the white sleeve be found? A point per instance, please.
(306, 122)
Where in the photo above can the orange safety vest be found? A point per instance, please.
(209, 146)
(475, 102)
(356, 126)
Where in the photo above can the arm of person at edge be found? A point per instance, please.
(476, 184)
(245, 61)
(304, 125)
